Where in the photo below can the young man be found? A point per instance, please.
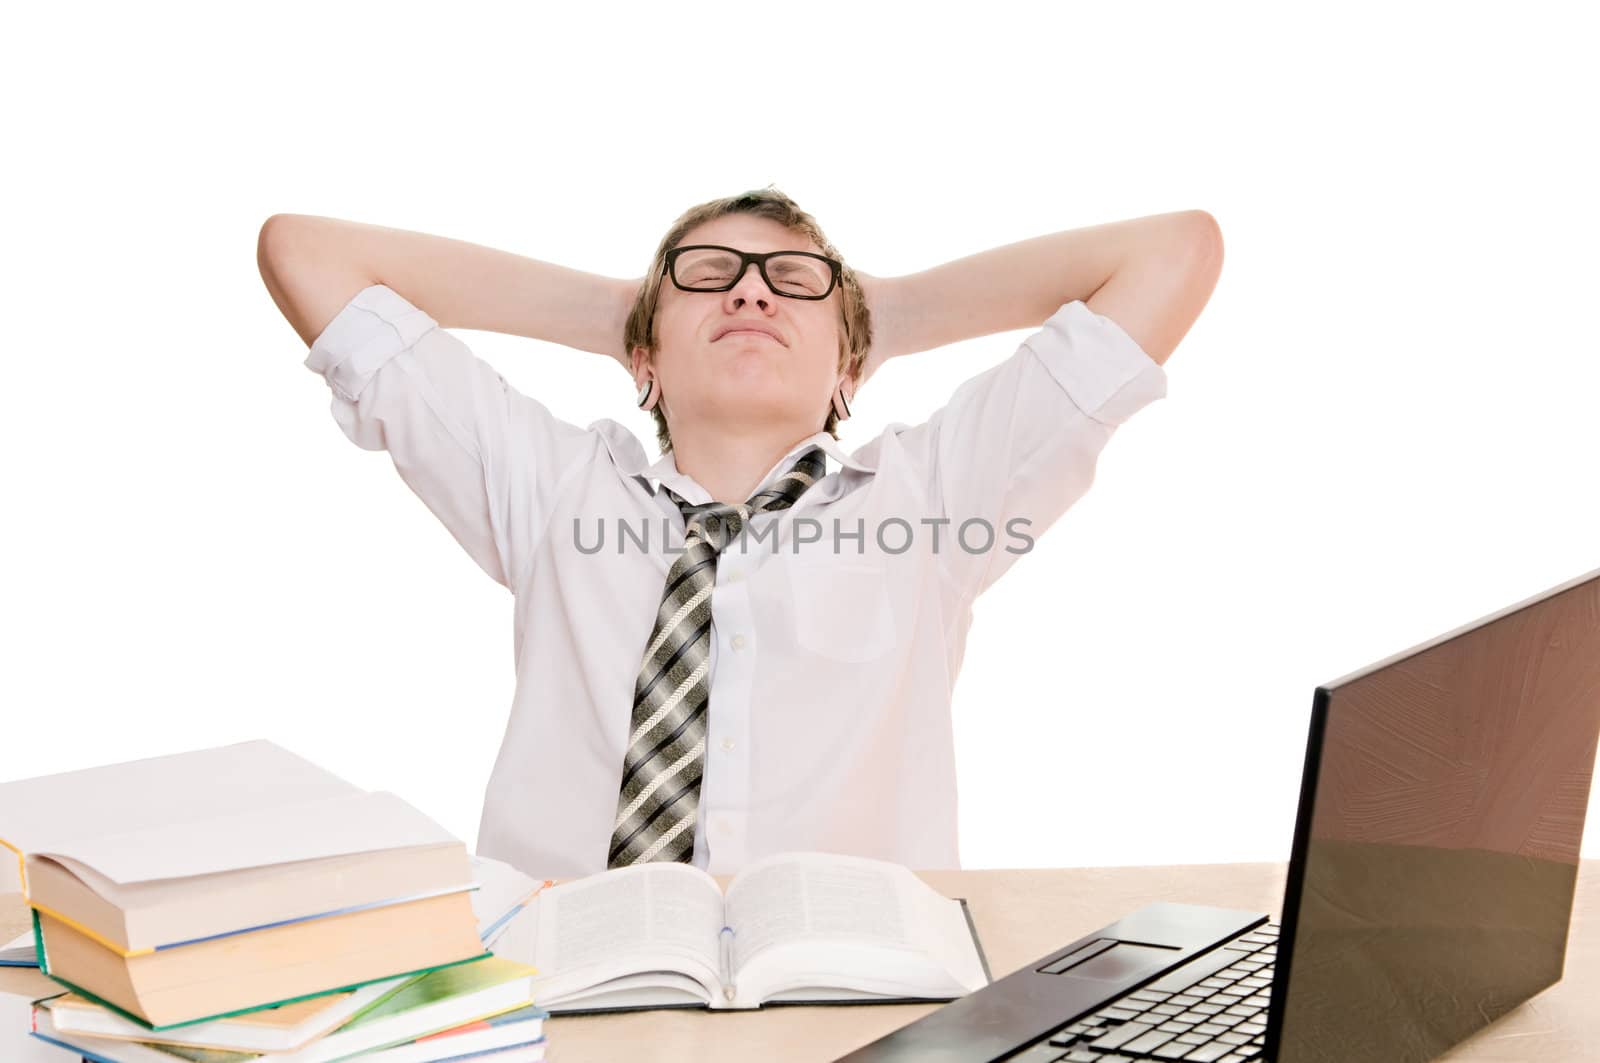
(736, 650)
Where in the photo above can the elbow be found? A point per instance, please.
(273, 242)
(271, 256)
(1205, 239)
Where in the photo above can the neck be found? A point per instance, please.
(731, 461)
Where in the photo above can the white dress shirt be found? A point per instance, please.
(832, 668)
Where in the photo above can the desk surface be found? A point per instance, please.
(1020, 915)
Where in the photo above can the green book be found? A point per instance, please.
(445, 999)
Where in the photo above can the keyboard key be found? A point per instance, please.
(1118, 1014)
(1197, 969)
(1186, 999)
(1172, 1050)
(1082, 1055)
(1192, 1038)
(1038, 1054)
(1150, 995)
(1128, 1031)
(1208, 1054)
(1147, 1043)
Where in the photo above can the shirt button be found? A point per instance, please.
(727, 745)
(737, 642)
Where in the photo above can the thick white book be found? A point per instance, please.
(160, 852)
(794, 928)
(501, 893)
(195, 885)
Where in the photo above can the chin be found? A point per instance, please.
(754, 410)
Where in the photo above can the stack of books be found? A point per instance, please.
(241, 903)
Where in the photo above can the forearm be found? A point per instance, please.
(313, 265)
(1019, 285)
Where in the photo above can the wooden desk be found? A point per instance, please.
(1020, 916)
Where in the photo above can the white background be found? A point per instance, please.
(1381, 428)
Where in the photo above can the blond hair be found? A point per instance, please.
(855, 322)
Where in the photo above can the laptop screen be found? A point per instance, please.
(1437, 847)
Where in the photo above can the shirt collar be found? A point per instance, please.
(629, 457)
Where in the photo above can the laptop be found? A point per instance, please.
(1429, 890)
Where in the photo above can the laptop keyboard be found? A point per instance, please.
(1218, 1014)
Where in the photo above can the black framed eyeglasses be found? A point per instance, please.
(714, 268)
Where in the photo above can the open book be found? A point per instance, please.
(793, 928)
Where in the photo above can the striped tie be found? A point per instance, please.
(661, 771)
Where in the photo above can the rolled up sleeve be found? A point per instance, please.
(458, 434)
(1019, 442)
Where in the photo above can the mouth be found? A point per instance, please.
(748, 332)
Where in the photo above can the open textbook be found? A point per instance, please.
(793, 928)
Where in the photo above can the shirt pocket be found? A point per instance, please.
(841, 607)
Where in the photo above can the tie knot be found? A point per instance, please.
(714, 523)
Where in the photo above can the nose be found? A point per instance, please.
(750, 285)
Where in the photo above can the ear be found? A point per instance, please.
(649, 396)
(843, 392)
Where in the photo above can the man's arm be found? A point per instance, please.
(312, 266)
(1151, 275)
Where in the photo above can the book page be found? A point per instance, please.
(501, 891)
(653, 989)
(272, 833)
(175, 789)
(655, 916)
(776, 901)
(820, 919)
